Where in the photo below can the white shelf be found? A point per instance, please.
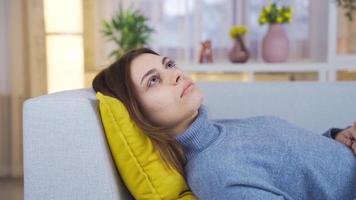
(267, 67)
(326, 71)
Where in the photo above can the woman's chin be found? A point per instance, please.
(195, 99)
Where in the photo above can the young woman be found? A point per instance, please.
(261, 157)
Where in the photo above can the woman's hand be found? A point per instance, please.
(348, 137)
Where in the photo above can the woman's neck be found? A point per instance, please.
(184, 125)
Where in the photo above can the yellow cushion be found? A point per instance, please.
(138, 162)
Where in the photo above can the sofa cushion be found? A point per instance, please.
(137, 161)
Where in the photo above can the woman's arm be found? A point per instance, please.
(345, 136)
(332, 132)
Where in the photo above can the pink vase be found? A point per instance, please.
(239, 52)
(275, 44)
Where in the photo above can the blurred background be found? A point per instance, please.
(48, 46)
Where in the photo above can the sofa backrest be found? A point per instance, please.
(311, 105)
(65, 151)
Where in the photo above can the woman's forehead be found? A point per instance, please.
(145, 60)
(143, 63)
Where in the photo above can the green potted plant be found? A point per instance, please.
(349, 6)
(128, 29)
(275, 44)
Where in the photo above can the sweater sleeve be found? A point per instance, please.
(331, 132)
(247, 193)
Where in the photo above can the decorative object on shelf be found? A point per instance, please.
(239, 53)
(275, 44)
(206, 52)
(349, 7)
(128, 29)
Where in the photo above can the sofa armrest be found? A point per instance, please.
(66, 155)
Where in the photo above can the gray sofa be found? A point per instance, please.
(66, 155)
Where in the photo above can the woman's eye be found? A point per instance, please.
(171, 64)
(153, 80)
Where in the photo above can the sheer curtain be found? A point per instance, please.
(22, 75)
(180, 26)
(4, 90)
(10, 127)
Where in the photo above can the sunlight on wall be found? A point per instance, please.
(64, 43)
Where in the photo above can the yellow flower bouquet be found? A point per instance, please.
(238, 30)
(275, 14)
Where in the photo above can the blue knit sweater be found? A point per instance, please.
(265, 158)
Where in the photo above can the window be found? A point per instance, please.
(64, 44)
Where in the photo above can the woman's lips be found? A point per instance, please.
(187, 89)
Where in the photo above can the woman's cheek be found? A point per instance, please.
(157, 102)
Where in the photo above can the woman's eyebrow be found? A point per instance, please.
(164, 60)
(151, 71)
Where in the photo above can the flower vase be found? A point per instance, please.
(275, 44)
(239, 52)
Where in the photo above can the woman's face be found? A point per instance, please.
(167, 96)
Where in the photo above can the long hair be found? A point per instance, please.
(115, 81)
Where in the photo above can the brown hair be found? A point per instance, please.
(115, 81)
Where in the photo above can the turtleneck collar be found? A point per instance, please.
(199, 135)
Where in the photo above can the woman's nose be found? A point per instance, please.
(177, 75)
